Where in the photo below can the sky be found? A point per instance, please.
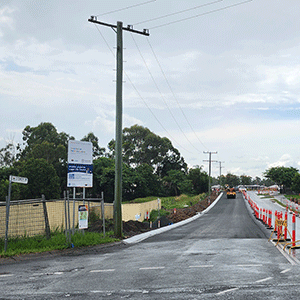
(213, 76)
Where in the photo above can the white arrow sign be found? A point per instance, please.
(18, 179)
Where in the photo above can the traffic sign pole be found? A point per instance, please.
(16, 179)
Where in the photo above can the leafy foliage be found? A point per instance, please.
(281, 175)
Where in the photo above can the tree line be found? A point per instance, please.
(152, 166)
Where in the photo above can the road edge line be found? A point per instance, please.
(140, 237)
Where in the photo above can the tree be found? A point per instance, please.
(43, 141)
(176, 183)
(141, 146)
(296, 183)
(231, 180)
(281, 175)
(245, 180)
(7, 155)
(42, 178)
(199, 180)
(97, 150)
(146, 182)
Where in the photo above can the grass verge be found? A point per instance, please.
(37, 244)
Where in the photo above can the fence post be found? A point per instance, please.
(66, 217)
(103, 213)
(47, 227)
(69, 220)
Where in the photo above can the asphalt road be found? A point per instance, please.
(224, 254)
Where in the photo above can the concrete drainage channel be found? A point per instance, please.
(140, 237)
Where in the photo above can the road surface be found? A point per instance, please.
(224, 254)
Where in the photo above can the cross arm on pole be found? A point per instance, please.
(93, 19)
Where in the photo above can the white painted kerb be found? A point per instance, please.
(140, 237)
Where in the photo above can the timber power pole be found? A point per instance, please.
(119, 113)
(209, 172)
(220, 166)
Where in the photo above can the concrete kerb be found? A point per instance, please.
(140, 237)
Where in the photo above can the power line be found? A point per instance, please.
(178, 12)
(167, 81)
(200, 15)
(158, 89)
(128, 7)
(138, 93)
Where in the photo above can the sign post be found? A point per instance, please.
(80, 171)
(16, 179)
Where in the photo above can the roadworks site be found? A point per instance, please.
(93, 239)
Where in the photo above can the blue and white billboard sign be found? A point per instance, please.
(80, 168)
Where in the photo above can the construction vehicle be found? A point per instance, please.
(230, 193)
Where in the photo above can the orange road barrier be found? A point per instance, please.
(285, 228)
(294, 229)
(270, 220)
(275, 227)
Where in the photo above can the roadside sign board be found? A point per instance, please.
(18, 179)
(80, 175)
(80, 167)
(83, 215)
(80, 152)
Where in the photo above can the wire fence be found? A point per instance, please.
(26, 218)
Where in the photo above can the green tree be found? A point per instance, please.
(7, 155)
(231, 179)
(245, 180)
(296, 183)
(199, 180)
(146, 182)
(141, 146)
(176, 183)
(97, 150)
(42, 178)
(281, 175)
(43, 141)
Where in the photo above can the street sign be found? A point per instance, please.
(18, 179)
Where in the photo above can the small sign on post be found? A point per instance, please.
(83, 215)
(16, 179)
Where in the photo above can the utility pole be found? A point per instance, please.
(220, 163)
(119, 112)
(209, 168)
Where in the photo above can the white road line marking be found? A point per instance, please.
(201, 266)
(285, 271)
(245, 266)
(6, 275)
(152, 268)
(262, 280)
(102, 271)
(227, 291)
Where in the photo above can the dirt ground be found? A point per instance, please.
(131, 228)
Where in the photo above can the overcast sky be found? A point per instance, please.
(222, 77)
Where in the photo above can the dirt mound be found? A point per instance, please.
(131, 228)
(188, 212)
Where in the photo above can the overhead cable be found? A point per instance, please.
(200, 15)
(138, 93)
(128, 7)
(167, 81)
(178, 12)
(161, 94)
